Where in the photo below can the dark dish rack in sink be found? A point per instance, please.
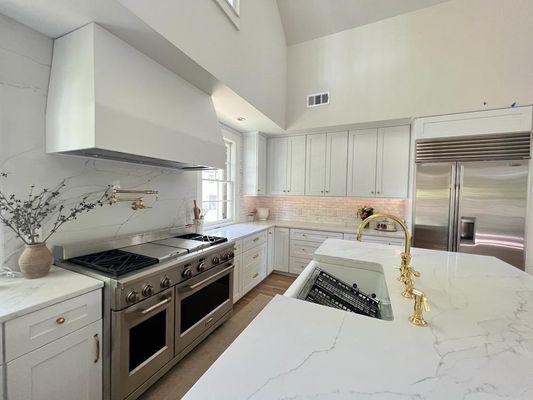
(327, 290)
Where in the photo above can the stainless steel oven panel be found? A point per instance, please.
(184, 339)
(123, 322)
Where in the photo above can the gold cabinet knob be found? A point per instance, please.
(60, 320)
(421, 301)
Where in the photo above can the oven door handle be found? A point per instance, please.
(155, 306)
(192, 287)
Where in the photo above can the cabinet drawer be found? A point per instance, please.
(300, 248)
(38, 328)
(237, 247)
(256, 254)
(313, 236)
(254, 240)
(253, 274)
(389, 241)
(297, 265)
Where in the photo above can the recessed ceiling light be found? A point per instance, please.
(240, 119)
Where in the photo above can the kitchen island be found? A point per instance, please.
(479, 344)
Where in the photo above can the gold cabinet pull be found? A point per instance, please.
(254, 257)
(97, 342)
(60, 320)
(256, 239)
(255, 275)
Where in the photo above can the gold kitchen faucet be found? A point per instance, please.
(406, 271)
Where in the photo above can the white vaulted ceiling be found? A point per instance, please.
(305, 20)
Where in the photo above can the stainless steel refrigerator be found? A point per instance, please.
(469, 206)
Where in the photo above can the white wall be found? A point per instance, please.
(251, 61)
(449, 58)
(25, 58)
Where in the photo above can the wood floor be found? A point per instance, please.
(273, 284)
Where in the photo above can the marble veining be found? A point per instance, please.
(24, 74)
(479, 344)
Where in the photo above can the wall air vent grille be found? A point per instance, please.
(475, 148)
(317, 99)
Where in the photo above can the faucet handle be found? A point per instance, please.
(414, 272)
(420, 301)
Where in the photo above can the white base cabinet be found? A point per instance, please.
(67, 368)
(281, 249)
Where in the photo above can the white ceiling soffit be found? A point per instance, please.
(305, 20)
(55, 18)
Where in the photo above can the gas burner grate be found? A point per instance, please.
(204, 238)
(115, 262)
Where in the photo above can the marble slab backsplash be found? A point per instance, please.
(24, 73)
(335, 210)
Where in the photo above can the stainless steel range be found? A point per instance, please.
(163, 294)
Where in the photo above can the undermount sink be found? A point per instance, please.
(367, 276)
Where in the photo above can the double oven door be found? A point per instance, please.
(201, 303)
(142, 342)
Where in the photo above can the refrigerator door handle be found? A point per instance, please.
(468, 230)
(452, 217)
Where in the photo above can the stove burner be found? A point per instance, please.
(115, 262)
(204, 238)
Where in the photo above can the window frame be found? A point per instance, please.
(233, 12)
(234, 180)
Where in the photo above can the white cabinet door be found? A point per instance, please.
(254, 164)
(316, 165)
(296, 166)
(67, 368)
(336, 164)
(261, 165)
(281, 249)
(237, 277)
(362, 152)
(277, 165)
(270, 251)
(392, 174)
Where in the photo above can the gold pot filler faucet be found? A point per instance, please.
(407, 273)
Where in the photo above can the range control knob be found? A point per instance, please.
(215, 260)
(165, 282)
(231, 254)
(147, 290)
(225, 257)
(132, 296)
(201, 267)
(187, 272)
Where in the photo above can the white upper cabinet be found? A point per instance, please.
(392, 172)
(362, 147)
(277, 165)
(316, 165)
(336, 163)
(378, 162)
(286, 165)
(326, 164)
(296, 163)
(254, 164)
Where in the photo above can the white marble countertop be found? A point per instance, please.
(479, 344)
(20, 296)
(237, 231)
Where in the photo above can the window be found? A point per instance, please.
(231, 9)
(234, 4)
(218, 189)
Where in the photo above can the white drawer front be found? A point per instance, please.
(297, 265)
(237, 247)
(389, 241)
(253, 274)
(300, 248)
(314, 236)
(38, 328)
(256, 254)
(254, 240)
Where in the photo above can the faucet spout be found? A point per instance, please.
(406, 271)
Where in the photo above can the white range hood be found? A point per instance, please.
(108, 100)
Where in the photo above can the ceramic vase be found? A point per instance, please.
(35, 261)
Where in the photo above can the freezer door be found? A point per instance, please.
(492, 209)
(434, 199)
